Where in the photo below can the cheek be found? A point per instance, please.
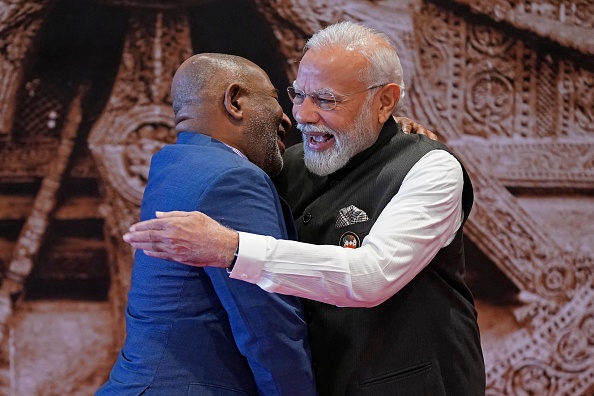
(338, 121)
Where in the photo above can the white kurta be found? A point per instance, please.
(421, 218)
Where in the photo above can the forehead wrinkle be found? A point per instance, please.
(317, 91)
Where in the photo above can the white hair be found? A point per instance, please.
(384, 64)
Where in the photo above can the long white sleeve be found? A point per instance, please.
(421, 218)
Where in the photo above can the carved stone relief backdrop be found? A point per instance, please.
(84, 103)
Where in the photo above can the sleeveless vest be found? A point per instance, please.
(424, 340)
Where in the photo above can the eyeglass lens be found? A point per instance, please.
(324, 100)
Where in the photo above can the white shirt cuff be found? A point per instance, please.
(251, 257)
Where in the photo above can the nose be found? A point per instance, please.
(307, 112)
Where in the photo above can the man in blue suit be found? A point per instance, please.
(194, 331)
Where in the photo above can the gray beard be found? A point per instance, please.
(346, 143)
(329, 161)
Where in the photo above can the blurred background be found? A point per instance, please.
(84, 103)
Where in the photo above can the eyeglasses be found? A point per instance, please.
(325, 100)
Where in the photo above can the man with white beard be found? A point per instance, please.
(380, 262)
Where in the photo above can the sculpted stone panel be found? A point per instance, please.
(567, 22)
(292, 23)
(139, 107)
(19, 22)
(508, 84)
(518, 112)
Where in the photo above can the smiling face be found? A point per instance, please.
(332, 137)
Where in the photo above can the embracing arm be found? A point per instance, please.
(172, 235)
(421, 219)
(410, 126)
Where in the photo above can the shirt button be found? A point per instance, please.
(243, 276)
(306, 218)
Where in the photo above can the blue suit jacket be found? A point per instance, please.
(194, 331)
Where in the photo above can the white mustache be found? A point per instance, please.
(309, 128)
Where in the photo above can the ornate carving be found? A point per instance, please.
(140, 106)
(525, 104)
(19, 23)
(144, 130)
(584, 109)
(288, 20)
(561, 21)
(539, 163)
(33, 232)
(490, 98)
(519, 115)
(532, 378)
(26, 161)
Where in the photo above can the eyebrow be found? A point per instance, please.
(318, 91)
(326, 90)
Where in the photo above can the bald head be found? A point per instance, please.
(202, 79)
(230, 99)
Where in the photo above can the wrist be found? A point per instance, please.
(234, 260)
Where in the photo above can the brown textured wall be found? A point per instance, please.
(84, 102)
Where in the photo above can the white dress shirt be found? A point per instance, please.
(421, 218)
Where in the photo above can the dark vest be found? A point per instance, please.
(424, 340)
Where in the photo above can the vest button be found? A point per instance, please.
(333, 183)
(306, 218)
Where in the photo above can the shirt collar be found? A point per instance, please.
(236, 151)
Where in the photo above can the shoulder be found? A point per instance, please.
(210, 154)
(440, 161)
(443, 167)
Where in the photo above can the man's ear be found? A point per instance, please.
(388, 97)
(232, 101)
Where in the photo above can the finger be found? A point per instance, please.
(153, 224)
(143, 245)
(173, 213)
(406, 125)
(421, 130)
(138, 236)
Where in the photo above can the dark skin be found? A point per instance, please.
(224, 107)
(410, 126)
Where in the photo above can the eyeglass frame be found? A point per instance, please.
(316, 98)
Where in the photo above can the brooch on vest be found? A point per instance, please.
(347, 216)
(349, 240)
